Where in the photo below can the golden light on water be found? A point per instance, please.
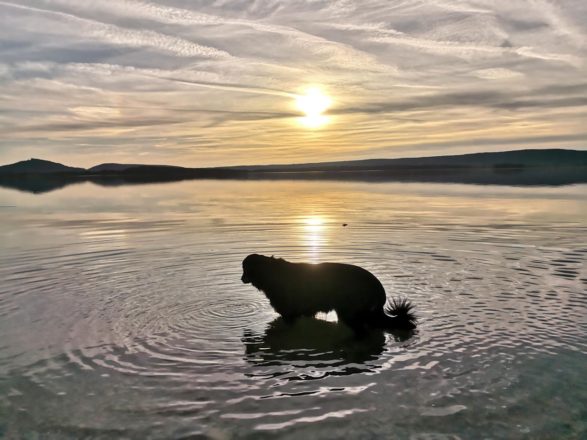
(313, 103)
(314, 223)
(313, 228)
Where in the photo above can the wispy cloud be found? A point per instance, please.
(210, 83)
(69, 25)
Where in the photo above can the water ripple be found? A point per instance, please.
(137, 324)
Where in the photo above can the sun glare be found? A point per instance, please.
(313, 233)
(314, 223)
(313, 103)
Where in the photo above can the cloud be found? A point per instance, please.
(70, 25)
(497, 73)
(214, 82)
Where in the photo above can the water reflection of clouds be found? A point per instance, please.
(107, 230)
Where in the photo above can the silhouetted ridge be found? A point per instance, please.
(507, 159)
(519, 158)
(521, 167)
(111, 167)
(38, 166)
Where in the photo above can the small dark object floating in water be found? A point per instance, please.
(303, 289)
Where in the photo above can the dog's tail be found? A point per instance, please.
(399, 315)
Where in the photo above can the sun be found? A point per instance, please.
(313, 103)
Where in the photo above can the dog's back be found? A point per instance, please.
(337, 286)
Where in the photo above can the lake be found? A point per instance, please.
(122, 313)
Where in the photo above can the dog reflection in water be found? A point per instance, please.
(314, 342)
(301, 290)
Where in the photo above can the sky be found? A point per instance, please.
(211, 83)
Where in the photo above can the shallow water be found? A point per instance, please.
(122, 313)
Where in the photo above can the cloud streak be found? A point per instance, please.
(115, 35)
(214, 83)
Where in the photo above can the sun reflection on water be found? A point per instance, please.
(314, 231)
(313, 235)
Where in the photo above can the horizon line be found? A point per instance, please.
(310, 163)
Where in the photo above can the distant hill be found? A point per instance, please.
(507, 160)
(521, 167)
(108, 167)
(516, 158)
(37, 166)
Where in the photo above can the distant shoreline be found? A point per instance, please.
(534, 176)
(552, 167)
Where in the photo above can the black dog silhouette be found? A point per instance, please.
(303, 289)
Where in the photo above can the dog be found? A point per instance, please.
(303, 289)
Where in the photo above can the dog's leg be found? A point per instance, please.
(354, 321)
(290, 318)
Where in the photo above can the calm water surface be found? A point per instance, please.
(122, 314)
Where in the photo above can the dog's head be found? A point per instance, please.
(252, 266)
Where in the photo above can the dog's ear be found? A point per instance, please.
(272, 257)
